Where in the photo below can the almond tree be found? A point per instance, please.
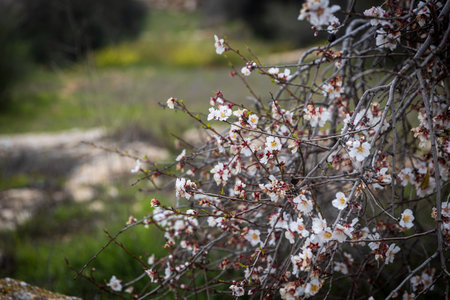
(335, 186)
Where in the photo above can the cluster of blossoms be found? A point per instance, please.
(248, 68)
(390, 25)
(333, 88)
(316, 116)
(185, 188)
(280, 76)
(222, 113)
(320, 14)
(329, 182)
(387, 34)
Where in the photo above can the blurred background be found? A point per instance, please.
(96, 71)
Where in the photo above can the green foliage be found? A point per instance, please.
(129, 78)
(64, 30)
(57, 32)
(13, 53)
(110, 98)
(40, 246)
(117, 56)
(180, 40)
(14, 182)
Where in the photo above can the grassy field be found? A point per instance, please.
(118, 88)
(124, 83)
(40, 246)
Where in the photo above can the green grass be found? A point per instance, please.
(115, 98)
(15, 181)
(50, 270)
(39, 247)
(181, 40)
(122, 83)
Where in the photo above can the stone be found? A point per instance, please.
(13, 289)
(68, 157)
(17, 205)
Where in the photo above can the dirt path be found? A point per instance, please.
(59, 166)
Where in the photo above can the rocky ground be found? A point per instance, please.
(12, 289)
(64, 165)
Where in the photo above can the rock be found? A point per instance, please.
(18, 205)
(67, 157)
(45, 141)
(12, 289)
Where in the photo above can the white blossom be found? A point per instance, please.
(237, 291)
(407, 296)
(318, 12)
(212, 114)
(359, 150)
(376, 13)
(253, 237)
(406, 176)
(299, 227)
(390, 253)
(246, 71)
(137, 167)
(427, 281)
(224, 113)
(289, 235)
(304, 205)
(273, 144)
(425, 186)
(316, 116)
(273, 71)
(115, 284)
(340, 202)
(342, 233)
(219, 44)
(407, 218)
(341, 267)
(445, 211)
(333, 88)
(285, 76)
(221, 173)
(184, 187)
(415, 281)
(374, 245)
(181, 156)
(312, 287)
(167, 271)
(387, 40)
(253, 120)
(422, 13)
(171, 102)
(151, 259)
(289, 292)
(319, 225)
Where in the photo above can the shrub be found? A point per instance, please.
(59, 31)
(13, 52)
(334, 186)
